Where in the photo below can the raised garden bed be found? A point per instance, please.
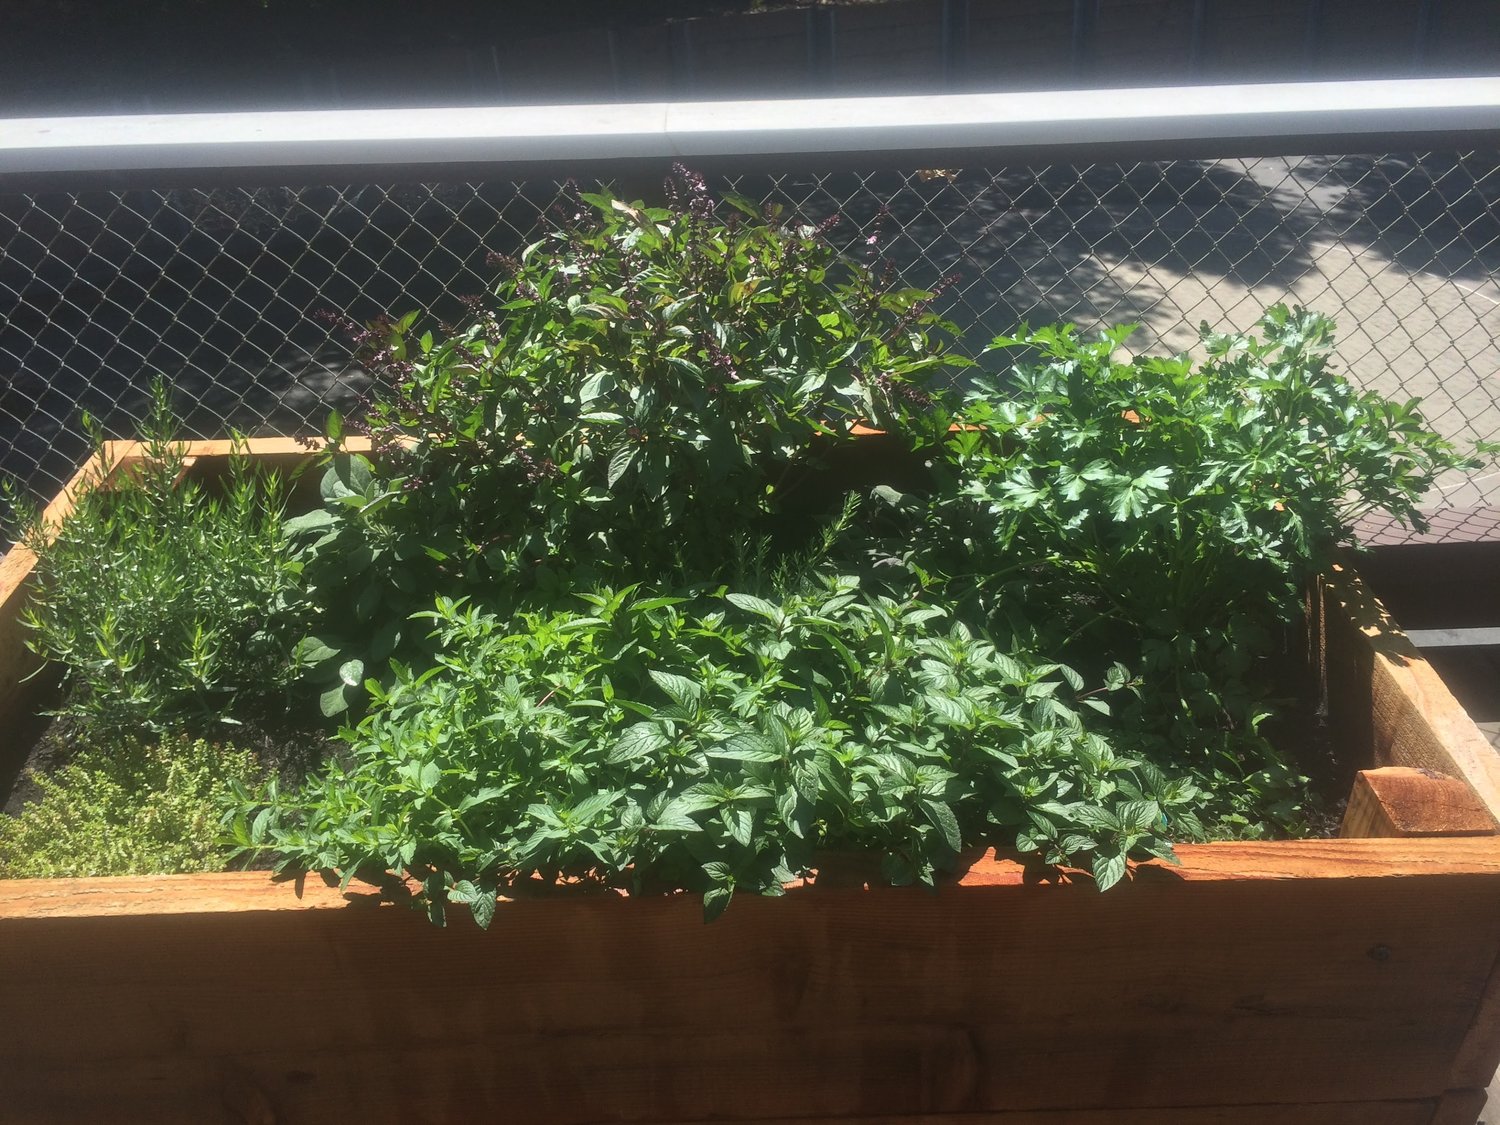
(1341, 980)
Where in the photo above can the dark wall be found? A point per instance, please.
(67, 55)
(103, 56)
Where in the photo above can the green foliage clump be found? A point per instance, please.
(1168, 514)
(165, 604)
(126, 807)
(623, 599)
(716, 743)
(650, 392)
(775, 655)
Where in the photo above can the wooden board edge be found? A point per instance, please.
(1417, 1112)
(1405, 801)
(1414, 719)
(1479, 1054)
(1259, 861)
(1459, 1107)
(251, 1088)
(18, 664)
(17, 564)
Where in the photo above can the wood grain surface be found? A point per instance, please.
(1403, 801)
(1390, 701)
(17, 664)
(1331, 971)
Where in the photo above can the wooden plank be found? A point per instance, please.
(1326, 1113)
(129, 468)
(889, 1001)
(1273, 861)
(1391, 701)
(1479, 1056)
(169, 1092)
(17, 663)
(1401, 801)
(551, 1071)
(1459, 1107)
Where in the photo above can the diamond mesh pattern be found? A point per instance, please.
(218, 290)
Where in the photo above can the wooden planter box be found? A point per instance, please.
(1349, 980)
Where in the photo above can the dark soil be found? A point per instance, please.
(1301, 729)
(41, 747)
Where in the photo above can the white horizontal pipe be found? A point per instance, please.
(518, 134)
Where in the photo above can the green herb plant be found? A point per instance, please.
(126, 807)
(619, 597)
(166, 605)
(715, 743)
(772, 656)
(1168, 514)
(650, 389)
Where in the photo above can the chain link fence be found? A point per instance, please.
(221, 291)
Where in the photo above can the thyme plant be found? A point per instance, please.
(124, 806)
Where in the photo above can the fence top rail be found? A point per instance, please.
(1270, 115)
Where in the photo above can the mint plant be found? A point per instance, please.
(715, 743)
